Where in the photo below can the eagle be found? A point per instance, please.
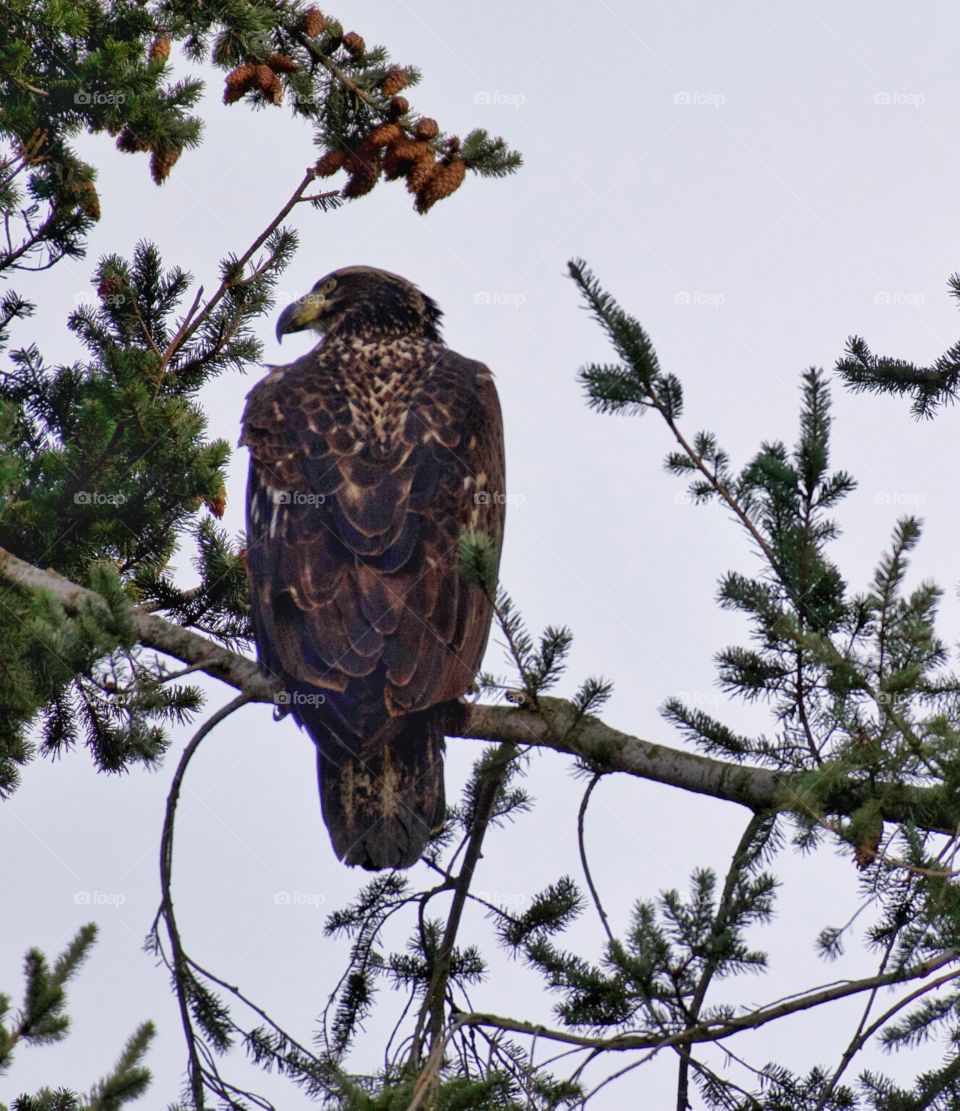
(371, 457)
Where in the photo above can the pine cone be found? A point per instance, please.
(239, 81)
(395, 80)
(421, 171)
(445, 179)
(314, 22)
(269, 84)
(385, 134)
(361, 181)
(427, 128)
(218, 503)
(88, 200)
(328, 163)
(109, 287)
(399, 106)
(867, 851)
(128, 140)
(354, 44)
(394, 164)
(162, 162)
(281, 63)
(159, 49)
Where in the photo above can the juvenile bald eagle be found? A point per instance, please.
(370, 457)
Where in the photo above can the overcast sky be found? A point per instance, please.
(755, 182)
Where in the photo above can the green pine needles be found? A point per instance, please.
(864, 711)
(931, 387)
(42, 1020)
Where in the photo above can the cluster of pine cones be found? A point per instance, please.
(263, 76)
(163, 157)
(389, 150)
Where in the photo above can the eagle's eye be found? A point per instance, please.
(329, 285)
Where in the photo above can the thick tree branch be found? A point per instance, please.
(198, 652)
(606, 749)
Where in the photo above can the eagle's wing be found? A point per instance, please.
(354, 520)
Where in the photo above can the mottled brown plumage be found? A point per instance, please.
(369, 459)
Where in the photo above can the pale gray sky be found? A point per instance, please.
(754, 181)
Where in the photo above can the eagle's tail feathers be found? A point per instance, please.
(382, 801)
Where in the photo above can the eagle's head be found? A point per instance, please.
(361, 300)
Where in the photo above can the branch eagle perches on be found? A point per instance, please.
(603, 747)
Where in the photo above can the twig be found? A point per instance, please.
(583, 856)
(180, 967)
(716, 1029)
(710, 967)
(433, 1003)
(185, 333)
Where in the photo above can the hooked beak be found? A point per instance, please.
(299, 315)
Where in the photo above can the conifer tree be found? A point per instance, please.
(97, 640)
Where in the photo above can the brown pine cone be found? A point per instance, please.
(162, 162)
(395, 80)
(399, 106)
(268, 83)
(446, 178)
(109, 287)
(239, 81)
(361, 181)
(385, 134)
(421, 171)
(218, 503)
(159, 49)
(398, 158)
(354, 44)
(427, 128)
(365, 156)
(281, 63)
(394, 163)
(129, 141)
(328, 163)
(88, 200)
(314, 22)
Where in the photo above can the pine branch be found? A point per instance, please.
(717, 1029)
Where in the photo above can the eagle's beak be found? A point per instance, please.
(301, 314)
